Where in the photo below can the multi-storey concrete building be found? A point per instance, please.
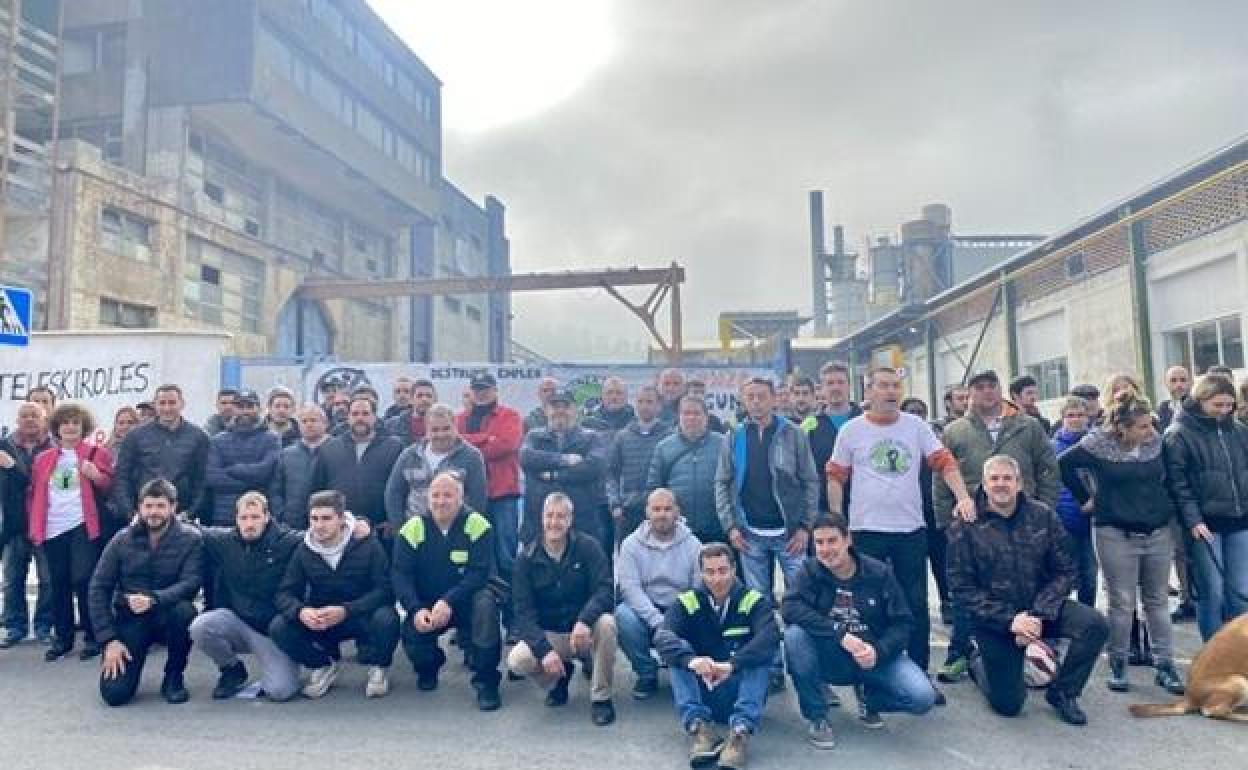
(241, 145)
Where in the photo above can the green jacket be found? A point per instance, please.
(1021, 437)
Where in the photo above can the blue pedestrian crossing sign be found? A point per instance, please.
(15, 309)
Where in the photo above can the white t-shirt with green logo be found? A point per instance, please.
(884, 471)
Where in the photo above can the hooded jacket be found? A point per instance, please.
(550, 595)
(240, 459)
(1021, 437)
(1000, 566)
(249, 573)
(170, 573)
(687, 467)
(1207, 468)
(870, 605)
(497, 434)
(360, 583)
(651, 573)
(794, 481)
(407, 490)
(1130, 490)
(286, 437)
(41, 473)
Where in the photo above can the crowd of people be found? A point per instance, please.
(648, 527)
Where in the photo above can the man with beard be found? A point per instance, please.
(614, 413)
(241, 458)
(1025, 392)
(141, 594)
(358, 464)
(408, 425)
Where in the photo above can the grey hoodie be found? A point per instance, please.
(651, 572)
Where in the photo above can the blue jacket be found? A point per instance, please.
(688, 469)
(1077, 522)
(239, 460)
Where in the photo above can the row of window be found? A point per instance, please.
(286, 62)
(328, 14)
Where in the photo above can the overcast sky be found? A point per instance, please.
(646, 131)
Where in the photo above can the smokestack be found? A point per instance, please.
(818, 264)
(838, 250)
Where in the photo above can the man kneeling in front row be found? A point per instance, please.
(719, 642)
(1012, 570)
(848, 623)
(336, 588)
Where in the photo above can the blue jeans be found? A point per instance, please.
(504, 515)
(1084, 551)
(898, 685)
(758, 563)
(634, 637)
(17, 554)
(1215, 603)
(738, 701)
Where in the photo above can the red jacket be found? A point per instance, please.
(41, 474)
(499, 442)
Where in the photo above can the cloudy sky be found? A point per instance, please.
(622, 132)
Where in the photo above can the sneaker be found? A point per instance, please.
(645, 687)
(953, 670)
(819, 735)
(173, 689)
(558, 694)
(1118, 675)
(378, 685)
(232, 680)
(321, 679)
(427, 681)
(488, 698)
(706, 744)
(732, 756)
(602, 712)
(1168, 677)
(1067, 707)
(869, 717)
(775, 685)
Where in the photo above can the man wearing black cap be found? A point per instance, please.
(564, 457)
(496, 431)
(991, 427)
(1092, 395)
(242, 458)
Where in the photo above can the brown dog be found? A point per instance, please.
(1217, 685)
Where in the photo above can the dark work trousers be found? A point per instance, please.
(906, 553)
(937, 545)
(165, 625)
(476, 623)
(71, 559)
(1002, 658)
(376, 636)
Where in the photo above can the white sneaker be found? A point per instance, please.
(321, 679)
(378, 683)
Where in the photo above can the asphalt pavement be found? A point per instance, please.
(51, 717)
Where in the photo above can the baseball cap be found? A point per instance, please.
(247, 397)
(482, 380)
(563, 395)
(984, 375)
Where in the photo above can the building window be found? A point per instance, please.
(125, 315)
(123, 233)
(1052, 377)
(473, 314)
(232, 187)
(94, 49)
(105, 135)
(221, 287)
(1207, 344)
(453, 305)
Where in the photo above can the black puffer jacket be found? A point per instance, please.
(999, 566)
(1130, 490)
(362, 480)
(171, 573)
(1207, 469)
(250, 572)
(360, 583)
(153, 451)
(554, 596)
(241, 459)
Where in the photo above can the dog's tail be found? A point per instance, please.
(1178, 708)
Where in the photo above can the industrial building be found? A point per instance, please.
(1156, 279)
(213, 155)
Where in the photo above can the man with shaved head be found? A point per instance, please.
(292, 480)
(656, 563)
(546, 389)
(671, 386)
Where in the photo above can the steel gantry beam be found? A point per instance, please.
(665, 280)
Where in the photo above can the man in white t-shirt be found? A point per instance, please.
(881, 450)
